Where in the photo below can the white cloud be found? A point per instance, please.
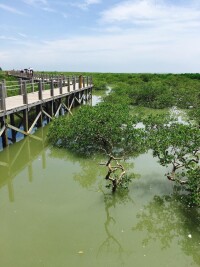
(22, 35)
(137, 36)
(65, 15)
(42, 4)
(85, 4)
(128, 52)
(151, 13)
(49, 9)
(91, 2)
(7, 38)
(36, 2)
(11, 9)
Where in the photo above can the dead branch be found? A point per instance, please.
(112, 169)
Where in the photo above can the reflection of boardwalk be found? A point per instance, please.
(21, 157)
(39, 99)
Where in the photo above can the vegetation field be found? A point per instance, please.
(135, 117)
(114, 184)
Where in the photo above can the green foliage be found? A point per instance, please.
(194, 185)
(195, 115)
(149, 90)
(178, 146)
(125, 182)
(110, 126)
(100, 85)
(156, 90)
(106, 127)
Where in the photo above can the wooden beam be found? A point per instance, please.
(71, 104)
(4, 164)
(77, 100)
(16, 129)
(2, 130)
(58, 110)
(19, 116)
(36, 137)
(46, 113)
(18, 153)
(67, 108)
(36, 119)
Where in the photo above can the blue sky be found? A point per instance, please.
(100, 35)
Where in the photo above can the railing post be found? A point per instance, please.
(83, 81)
(64, 80)
(80, 81)
(90, 80)
(20, 86)
(4, 82)
(24, 93)
(52, 88)
(68, 84)
(2, 97)
(40, 90)
(60, 85)
(43, 84)
(74, 83)
(32, 84)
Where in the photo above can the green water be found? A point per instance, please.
(56, 212)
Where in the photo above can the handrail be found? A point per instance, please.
(38, 84)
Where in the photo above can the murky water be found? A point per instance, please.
(56, 212)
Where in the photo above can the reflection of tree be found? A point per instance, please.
(166, 219)
(111, 242)
(86, 170)
(89, 170)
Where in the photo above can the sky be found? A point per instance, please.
(136, 36)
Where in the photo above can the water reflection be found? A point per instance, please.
(89, 170)
(112, 242)
(14, 159)
(168, 219)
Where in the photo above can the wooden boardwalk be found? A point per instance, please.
(16, 103)
(45, 98)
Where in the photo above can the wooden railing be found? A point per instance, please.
(39, 83)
